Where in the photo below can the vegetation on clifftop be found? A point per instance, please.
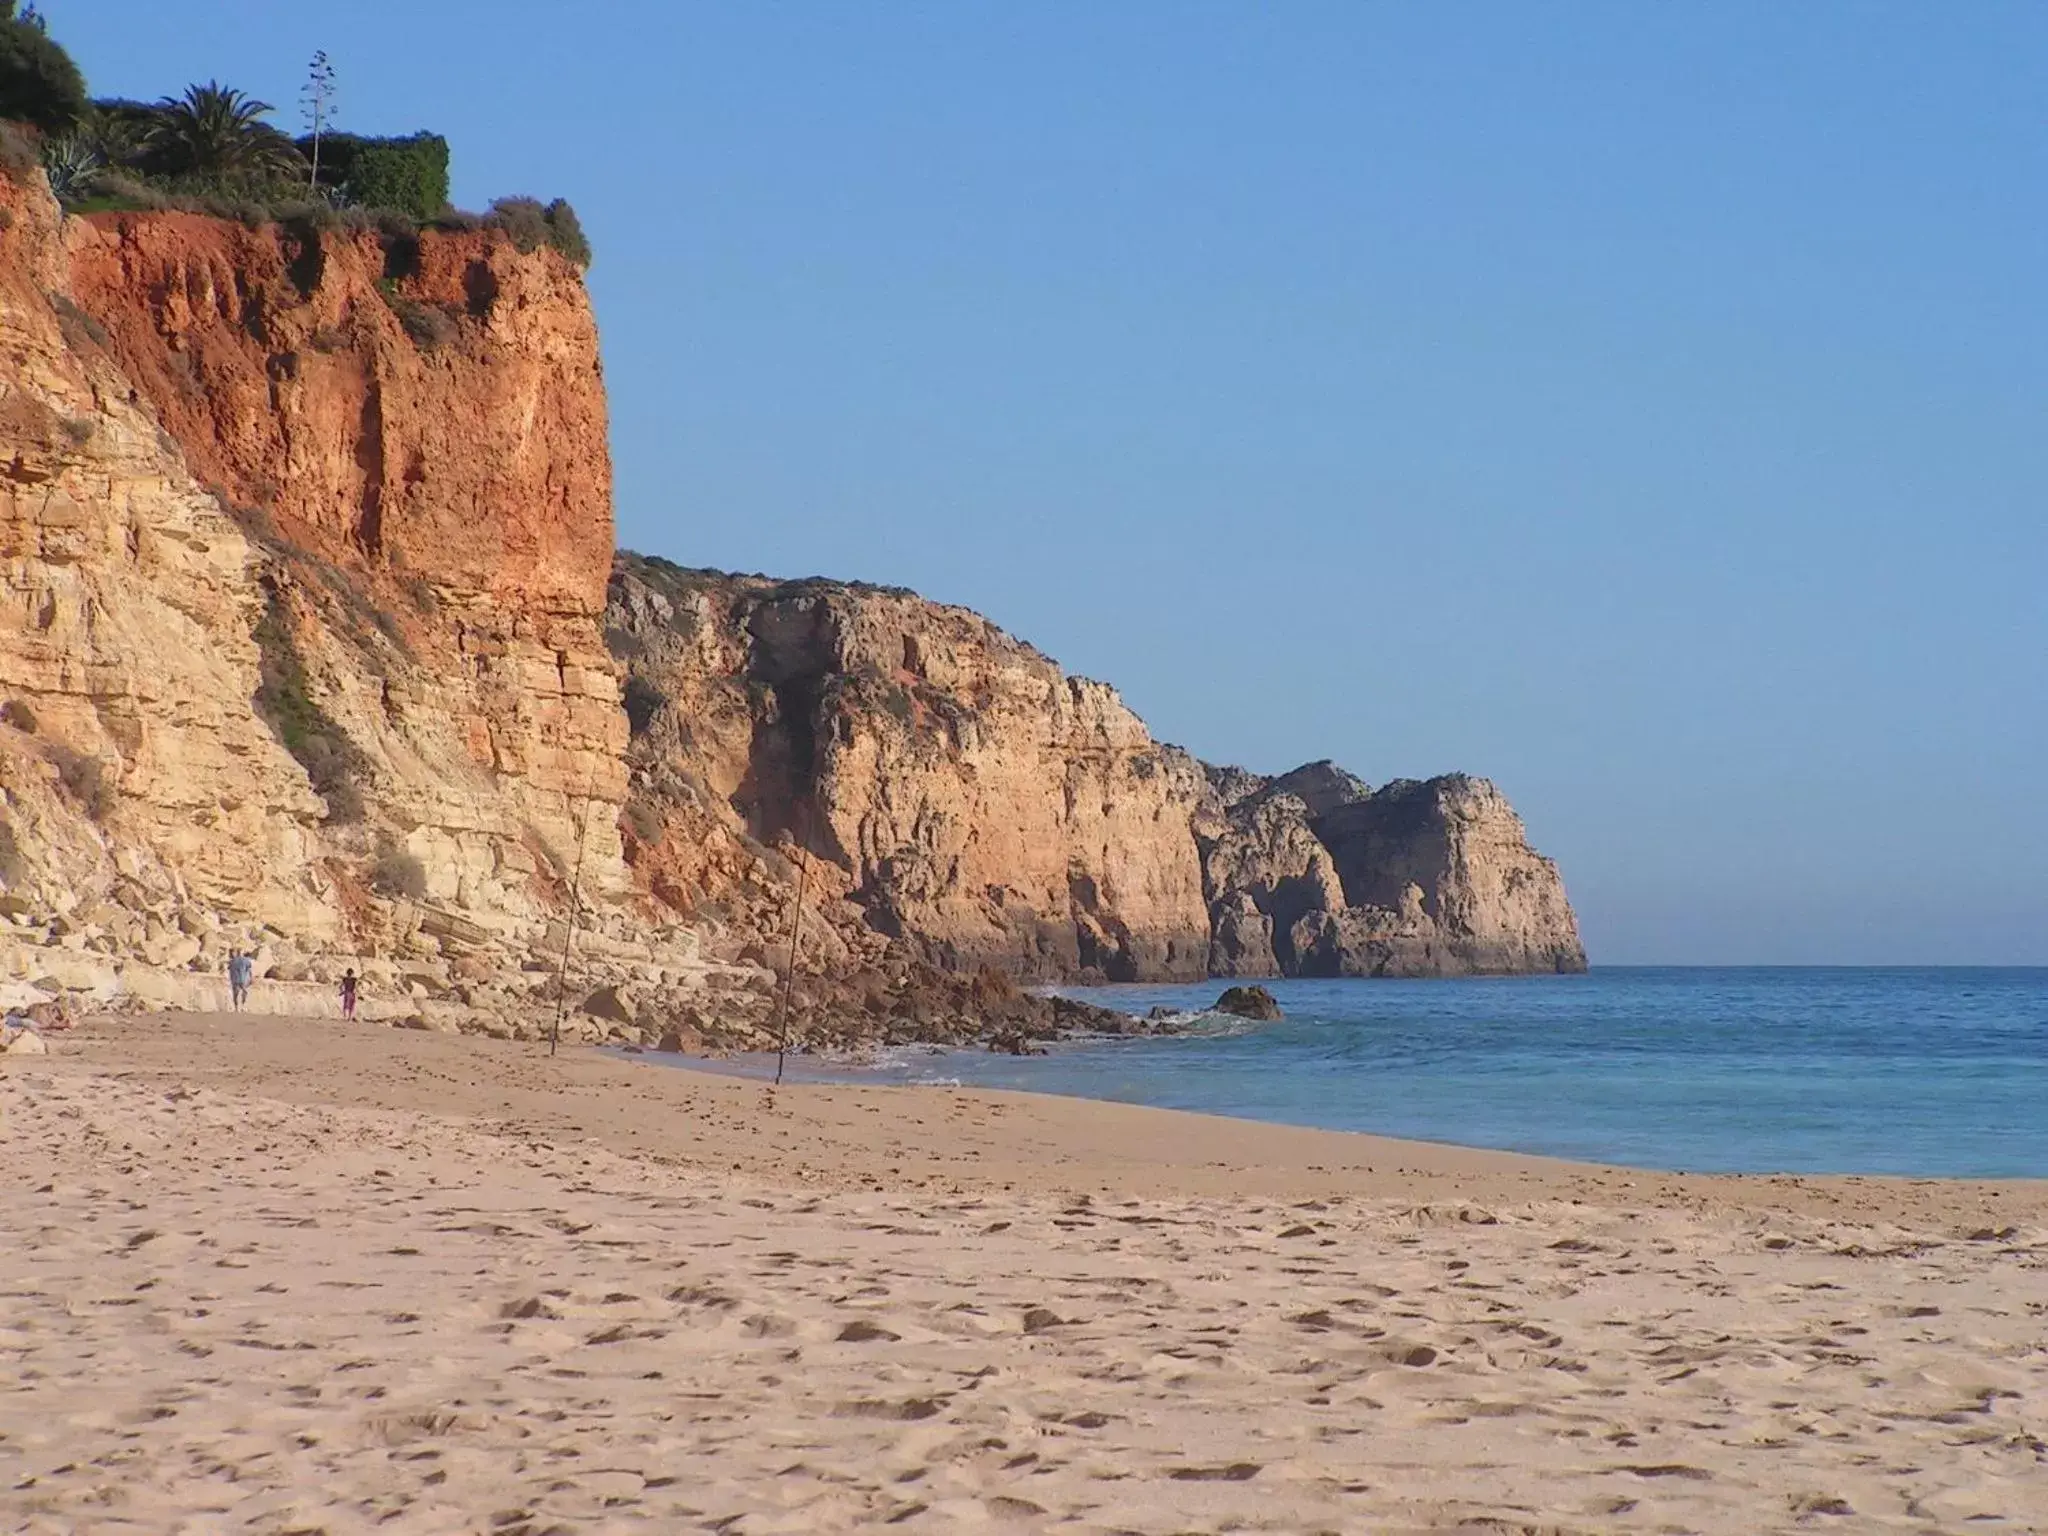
(213, 149)
(673, 580)
(406, 175)
(39, 83)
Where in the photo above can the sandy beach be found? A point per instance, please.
(267, 1276)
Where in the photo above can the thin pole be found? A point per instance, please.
(575, 904)
(796, 927)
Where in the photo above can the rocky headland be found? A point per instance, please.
(314, 642)
(963, 798)
(1314, 873)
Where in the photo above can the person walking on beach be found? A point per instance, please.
(348, 994)
(241, 971)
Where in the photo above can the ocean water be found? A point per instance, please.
(1939, 1073)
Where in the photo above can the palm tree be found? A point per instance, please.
(214, 132)
(119, 129)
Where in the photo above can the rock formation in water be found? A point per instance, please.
(1249, 1003)
(1316, 874)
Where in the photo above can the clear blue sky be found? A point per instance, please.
(1643, 405)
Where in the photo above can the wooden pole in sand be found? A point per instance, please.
(575, 904)
(796, 925)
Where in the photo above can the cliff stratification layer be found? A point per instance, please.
(127, 659)
(411, 431)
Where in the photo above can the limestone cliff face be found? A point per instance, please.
(433, 405)
(962, 797)
(126, 612)
(972, 800)
(292, 592)
(310, 630)
(414, 430)
(1315, 874)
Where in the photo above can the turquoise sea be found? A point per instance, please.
(1925, 1072)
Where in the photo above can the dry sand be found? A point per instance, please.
(273, 1277)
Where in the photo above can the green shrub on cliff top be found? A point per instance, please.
(406, 175)
(118, 129)
(210, 150)
(532, 226)
(566, 232)
(73, 164)
(523, 219)
(39, 83)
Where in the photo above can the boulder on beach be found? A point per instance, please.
(1248, 1003)
(19, 996)
(51, 1016)
(605, 1003)
(680, 1039)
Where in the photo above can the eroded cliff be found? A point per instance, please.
(299, 601)
(411, 433)
(973, 801)
(958, 794)
(131, 753)
(1316, 874)
(311, 638)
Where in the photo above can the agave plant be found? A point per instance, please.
(73, 163)
(214, 131)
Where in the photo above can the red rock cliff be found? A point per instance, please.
(431, 406)
(416, 429)
(307, 536)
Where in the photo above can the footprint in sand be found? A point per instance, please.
(1003, 1507)
(532, 1306)
(862, 1332)
(907, 1411)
